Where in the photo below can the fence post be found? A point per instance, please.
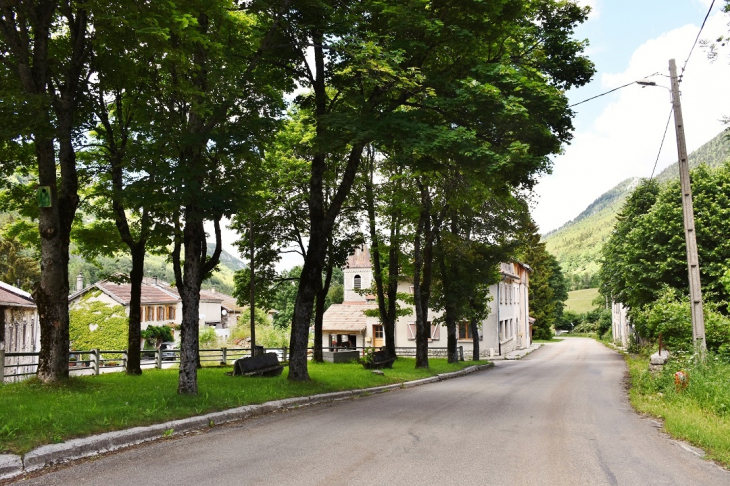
(96, 358)
(158, 359)
(224, 356)
(2, 366)
(283, 354)
(461, 353)
(124, 360)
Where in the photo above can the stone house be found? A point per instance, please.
(508, 326)
(19, 330)
(161, 303)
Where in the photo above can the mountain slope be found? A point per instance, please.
(577, 244)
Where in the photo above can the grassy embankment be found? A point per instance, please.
(580, 301)
(32, 414)
(699, 414)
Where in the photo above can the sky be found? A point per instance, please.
(618, 136)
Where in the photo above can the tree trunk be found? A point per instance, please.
(194, 237)
(421, 313)
(319, 314)
(474, 328)
(393, 267)
(451, 339)
(51, 294)
(134, 366)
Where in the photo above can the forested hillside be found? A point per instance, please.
(577, 244)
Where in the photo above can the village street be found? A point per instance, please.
(559, 416)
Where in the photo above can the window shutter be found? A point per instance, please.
(435, 332)
(411, 331)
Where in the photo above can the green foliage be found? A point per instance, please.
(647, 250)
(670, 315)
(96, 325)
(547, 289)
(154, 335)
(577, 244)
(207, 338)
(267, 335)
(700, 414)
(19, 264)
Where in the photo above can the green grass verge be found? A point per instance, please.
(580, 301)
(552, 340)
(33, 414)
(700, 414)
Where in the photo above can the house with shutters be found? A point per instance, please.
(161, 303)
(508, 326)
(19, 329)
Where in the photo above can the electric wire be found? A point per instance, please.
(679, 80)
(610, 91)
(696, 39)
(662, 144)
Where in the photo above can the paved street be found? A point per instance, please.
(559, 416)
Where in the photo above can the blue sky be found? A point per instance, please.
(618, 136)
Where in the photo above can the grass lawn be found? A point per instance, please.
(33, 414)
(580, 300)
(699, 415)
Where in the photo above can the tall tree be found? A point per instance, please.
(45, 57)
(548, 289)
(215, 98)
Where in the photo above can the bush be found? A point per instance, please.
(670, 315)
(207, 337)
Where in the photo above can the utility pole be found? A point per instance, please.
(693, 264)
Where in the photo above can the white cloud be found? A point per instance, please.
(624, 139)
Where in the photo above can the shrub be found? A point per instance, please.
(671, 316)
(207, 337)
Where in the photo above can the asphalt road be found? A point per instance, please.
(560, 416)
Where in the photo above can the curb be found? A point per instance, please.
(52, 454)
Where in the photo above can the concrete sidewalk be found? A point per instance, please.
(517, 354)
(12, 466)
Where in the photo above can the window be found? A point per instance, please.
(358, 282)
(465, 330)
(171, 312)
(149, 313)
(378, 331)
(160, 313)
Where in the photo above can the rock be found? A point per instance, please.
(378, 372)
(660, 359)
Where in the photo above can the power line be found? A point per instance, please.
(608, 92)
(696, 39)
(684, 67)
(662, 144)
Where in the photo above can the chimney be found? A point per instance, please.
(79, 282)
(212, 290)
(155, 280)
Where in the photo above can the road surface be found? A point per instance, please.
(560, 416)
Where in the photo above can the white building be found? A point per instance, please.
(20, 330)
(506, 328)
(621, 326)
